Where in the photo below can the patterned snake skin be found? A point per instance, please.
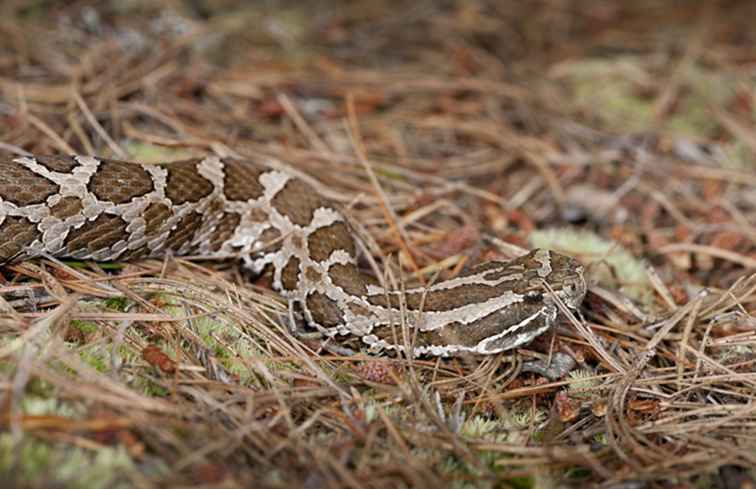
(90, 208)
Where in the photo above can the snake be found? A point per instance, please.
(91, 208)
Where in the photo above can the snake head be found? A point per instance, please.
(494, 307)
(566, 278)
(543, 274)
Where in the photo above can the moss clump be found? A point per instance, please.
(44, 464)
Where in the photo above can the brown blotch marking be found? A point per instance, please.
(525, 273)
(442, 300)
(298, 201)
(16, 233)
(494, 270)
(184, 183)
(483, 267)
(349, 278)
(102, 233)
(139, 252)
(496, 275)
(359, 310)
(184, 231)
(297, 242)
(22, 186)
(66, 207)
(324, 310)
(62, 164)
(155, 215)
(224, 230)
(525, 267)
(120, 182)
(241, 180)
(290, 274)
(324, 241)
(451, 334)
(271, 240)
(473, 333)
(456, 334)
(256, 214)
(313, 275)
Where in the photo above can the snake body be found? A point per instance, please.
(90, 208)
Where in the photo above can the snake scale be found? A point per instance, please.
(90, 208)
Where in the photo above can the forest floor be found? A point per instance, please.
(621, 133)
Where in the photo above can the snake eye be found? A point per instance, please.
(533, 296)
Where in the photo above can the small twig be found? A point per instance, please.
(97, 127)
(728, 255)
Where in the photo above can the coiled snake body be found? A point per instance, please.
(90, 208)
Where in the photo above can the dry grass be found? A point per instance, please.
(623, 135)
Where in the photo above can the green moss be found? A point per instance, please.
(500, 430)
(149, 153)
(128, 355)
(581, 383)
(371, 409)
(601, 439)
(155, 390)
(32, 463)
(6, 367)
(217, 335)
(83, 264)
(479, 427)
(39, 387)
(613, 89)
(577, 473)
(86, 327)
(96, 356)
(34, 11)
(739, 156)
(34, 405)
(522, 416)
(117, 303)
(390, 174)
(616, 90)
(611, 86)
(522, 482)
(703, 89)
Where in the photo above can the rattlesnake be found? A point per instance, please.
(97, 209)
